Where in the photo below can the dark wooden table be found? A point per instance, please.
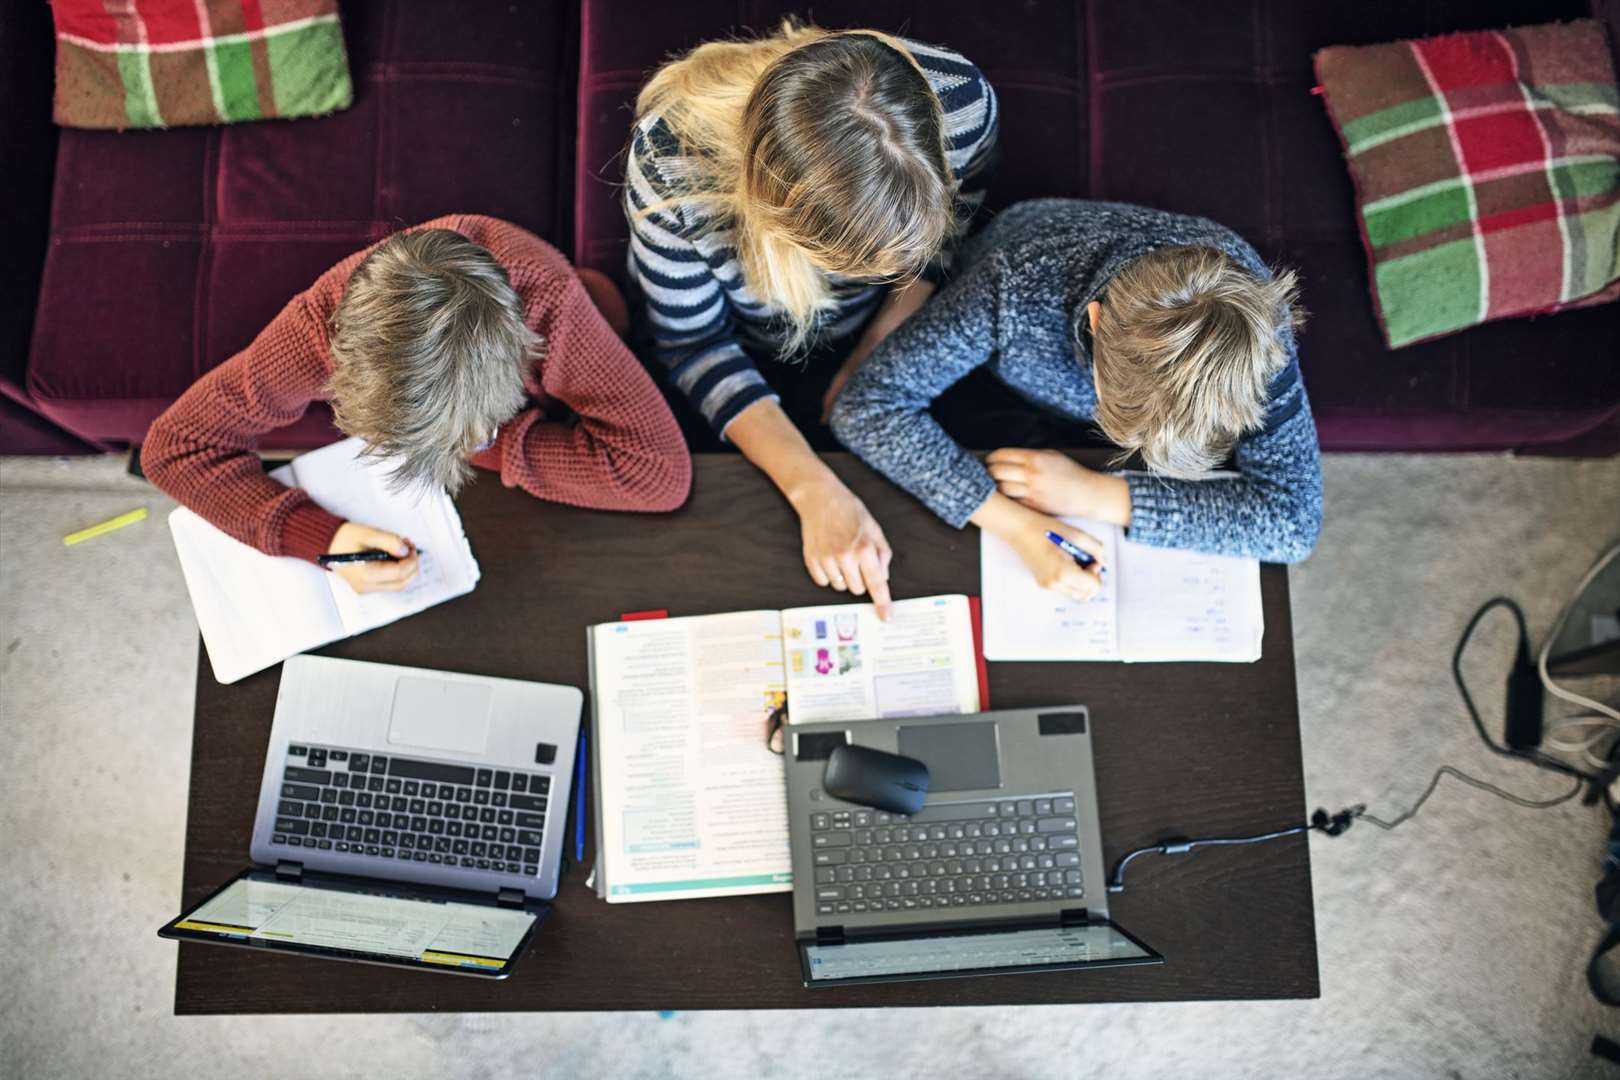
(1181, 749)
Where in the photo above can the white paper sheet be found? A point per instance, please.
(358, 489)
(1181, 605)
(255, 610)
(1023, 621)
(1156, 604)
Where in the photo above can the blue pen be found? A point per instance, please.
(579, 801)
(1084, 558)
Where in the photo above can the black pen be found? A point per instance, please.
(361, 556)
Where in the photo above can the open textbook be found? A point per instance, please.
(256, 610)
(689, 800)
(1156, 604)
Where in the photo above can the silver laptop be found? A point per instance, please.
(1001, 871)
(392, 796)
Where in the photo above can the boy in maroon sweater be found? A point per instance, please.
(446, 344)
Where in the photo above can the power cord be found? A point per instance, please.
(1546, 761)
(1604, 718)
(1336, 824)
(1473, 782)
(1320, 822)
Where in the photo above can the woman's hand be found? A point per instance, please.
(1055, 483)
(844, 548)
(364, 577)
(1025, 530)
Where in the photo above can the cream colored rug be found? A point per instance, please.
(1451, 948)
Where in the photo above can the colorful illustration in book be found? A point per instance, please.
(849, 659)
(824, 662)
(847, 624)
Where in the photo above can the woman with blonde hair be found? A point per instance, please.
(796, 198)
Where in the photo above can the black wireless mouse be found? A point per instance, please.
(874, 778)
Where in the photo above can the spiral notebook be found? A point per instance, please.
(255, 610)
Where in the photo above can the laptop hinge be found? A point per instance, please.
(288, 870)
(829, 935)
(1074, 916)
(510, 897)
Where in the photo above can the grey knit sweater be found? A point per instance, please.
(1020, 286)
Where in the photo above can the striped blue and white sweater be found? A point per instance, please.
(703, 317)
(1020, 288)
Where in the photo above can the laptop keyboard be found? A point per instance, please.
(411, 810)
(957, 855)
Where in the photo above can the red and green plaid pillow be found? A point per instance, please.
(163, 63)
(1487, 172)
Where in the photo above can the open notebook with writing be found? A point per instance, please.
(689, 800)
(255, 610)
(1156, 604)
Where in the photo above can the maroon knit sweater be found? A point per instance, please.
(620, 448)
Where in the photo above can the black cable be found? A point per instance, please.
(1546, 761)
(1338, 823)
(1320, 822)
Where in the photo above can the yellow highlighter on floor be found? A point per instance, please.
(105, 527)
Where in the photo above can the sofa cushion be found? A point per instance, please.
(163, 63)
(1487, 172)
(1215, 116)
(169, 250)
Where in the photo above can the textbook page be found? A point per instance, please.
(1183, 605)
(357, 488)
(1023, 621)
(691, 798)
(844, 663)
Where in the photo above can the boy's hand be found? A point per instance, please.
(1052, 567)
(364, 577)
(1055, 483)
(1026, 530)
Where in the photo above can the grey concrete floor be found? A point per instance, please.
(1451, 948)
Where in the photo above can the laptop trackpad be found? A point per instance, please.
(437, 714)
(960, 757)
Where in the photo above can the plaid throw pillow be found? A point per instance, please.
(1487, 173)
(160, 63)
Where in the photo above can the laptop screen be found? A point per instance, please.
(360, 921)
(985, 952)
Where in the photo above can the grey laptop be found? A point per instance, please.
(1001, 871)
(390, 786)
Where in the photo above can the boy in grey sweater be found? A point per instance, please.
(1167, 331)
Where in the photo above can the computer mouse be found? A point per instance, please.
(876, 778)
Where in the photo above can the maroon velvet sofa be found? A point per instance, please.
(167, 251)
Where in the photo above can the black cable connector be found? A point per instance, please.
(1338, 823)
(1321, 821)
